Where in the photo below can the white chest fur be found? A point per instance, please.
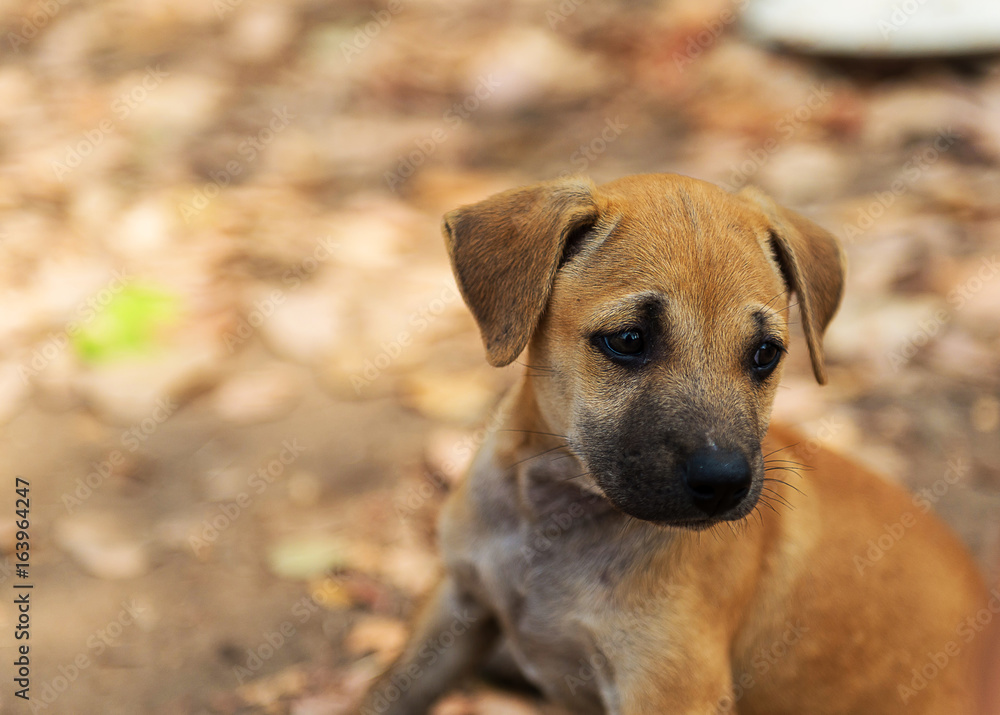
(533, 556)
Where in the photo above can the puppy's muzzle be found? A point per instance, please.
(717, 480)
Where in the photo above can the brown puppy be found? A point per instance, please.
(633, 534)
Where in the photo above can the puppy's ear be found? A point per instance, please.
(812, 265)
(505, 251)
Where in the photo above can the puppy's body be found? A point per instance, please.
(611, 615)
(773, 613)
(633, 531)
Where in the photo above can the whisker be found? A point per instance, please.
(795, 465)
(766, 503)
(772, 491)
(528, 431)
(743, 527)
(787, 484)
(540, 454)
(792, 462)
(714, 531)
(784, 469)
(780, 449)
(536, 367)
(779, 497)
(768, 303)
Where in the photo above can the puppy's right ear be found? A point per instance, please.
(505, 252)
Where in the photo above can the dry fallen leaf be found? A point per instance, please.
(265, 692)
(385, 637)
(454, 397)
(102, 545)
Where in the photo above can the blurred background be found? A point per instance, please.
(233, 364)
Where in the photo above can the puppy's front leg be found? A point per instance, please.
(453, 634)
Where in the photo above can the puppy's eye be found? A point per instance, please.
(627, 343)
(766, 356)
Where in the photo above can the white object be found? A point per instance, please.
(891, 28)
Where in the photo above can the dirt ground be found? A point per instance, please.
(234, 368)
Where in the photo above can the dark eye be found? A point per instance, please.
(766, 356)
(627, 343)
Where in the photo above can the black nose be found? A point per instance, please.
(717, 479)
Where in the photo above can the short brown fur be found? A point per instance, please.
(577, 541)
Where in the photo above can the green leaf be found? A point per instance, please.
(132, 323)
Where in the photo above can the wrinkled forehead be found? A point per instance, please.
(688, 242)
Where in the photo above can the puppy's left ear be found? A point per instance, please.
(812, 265)
(505, 252)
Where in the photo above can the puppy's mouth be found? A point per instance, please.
(698, 524)
(711, 485)
(667, 515)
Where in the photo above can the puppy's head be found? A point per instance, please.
(657, 308)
